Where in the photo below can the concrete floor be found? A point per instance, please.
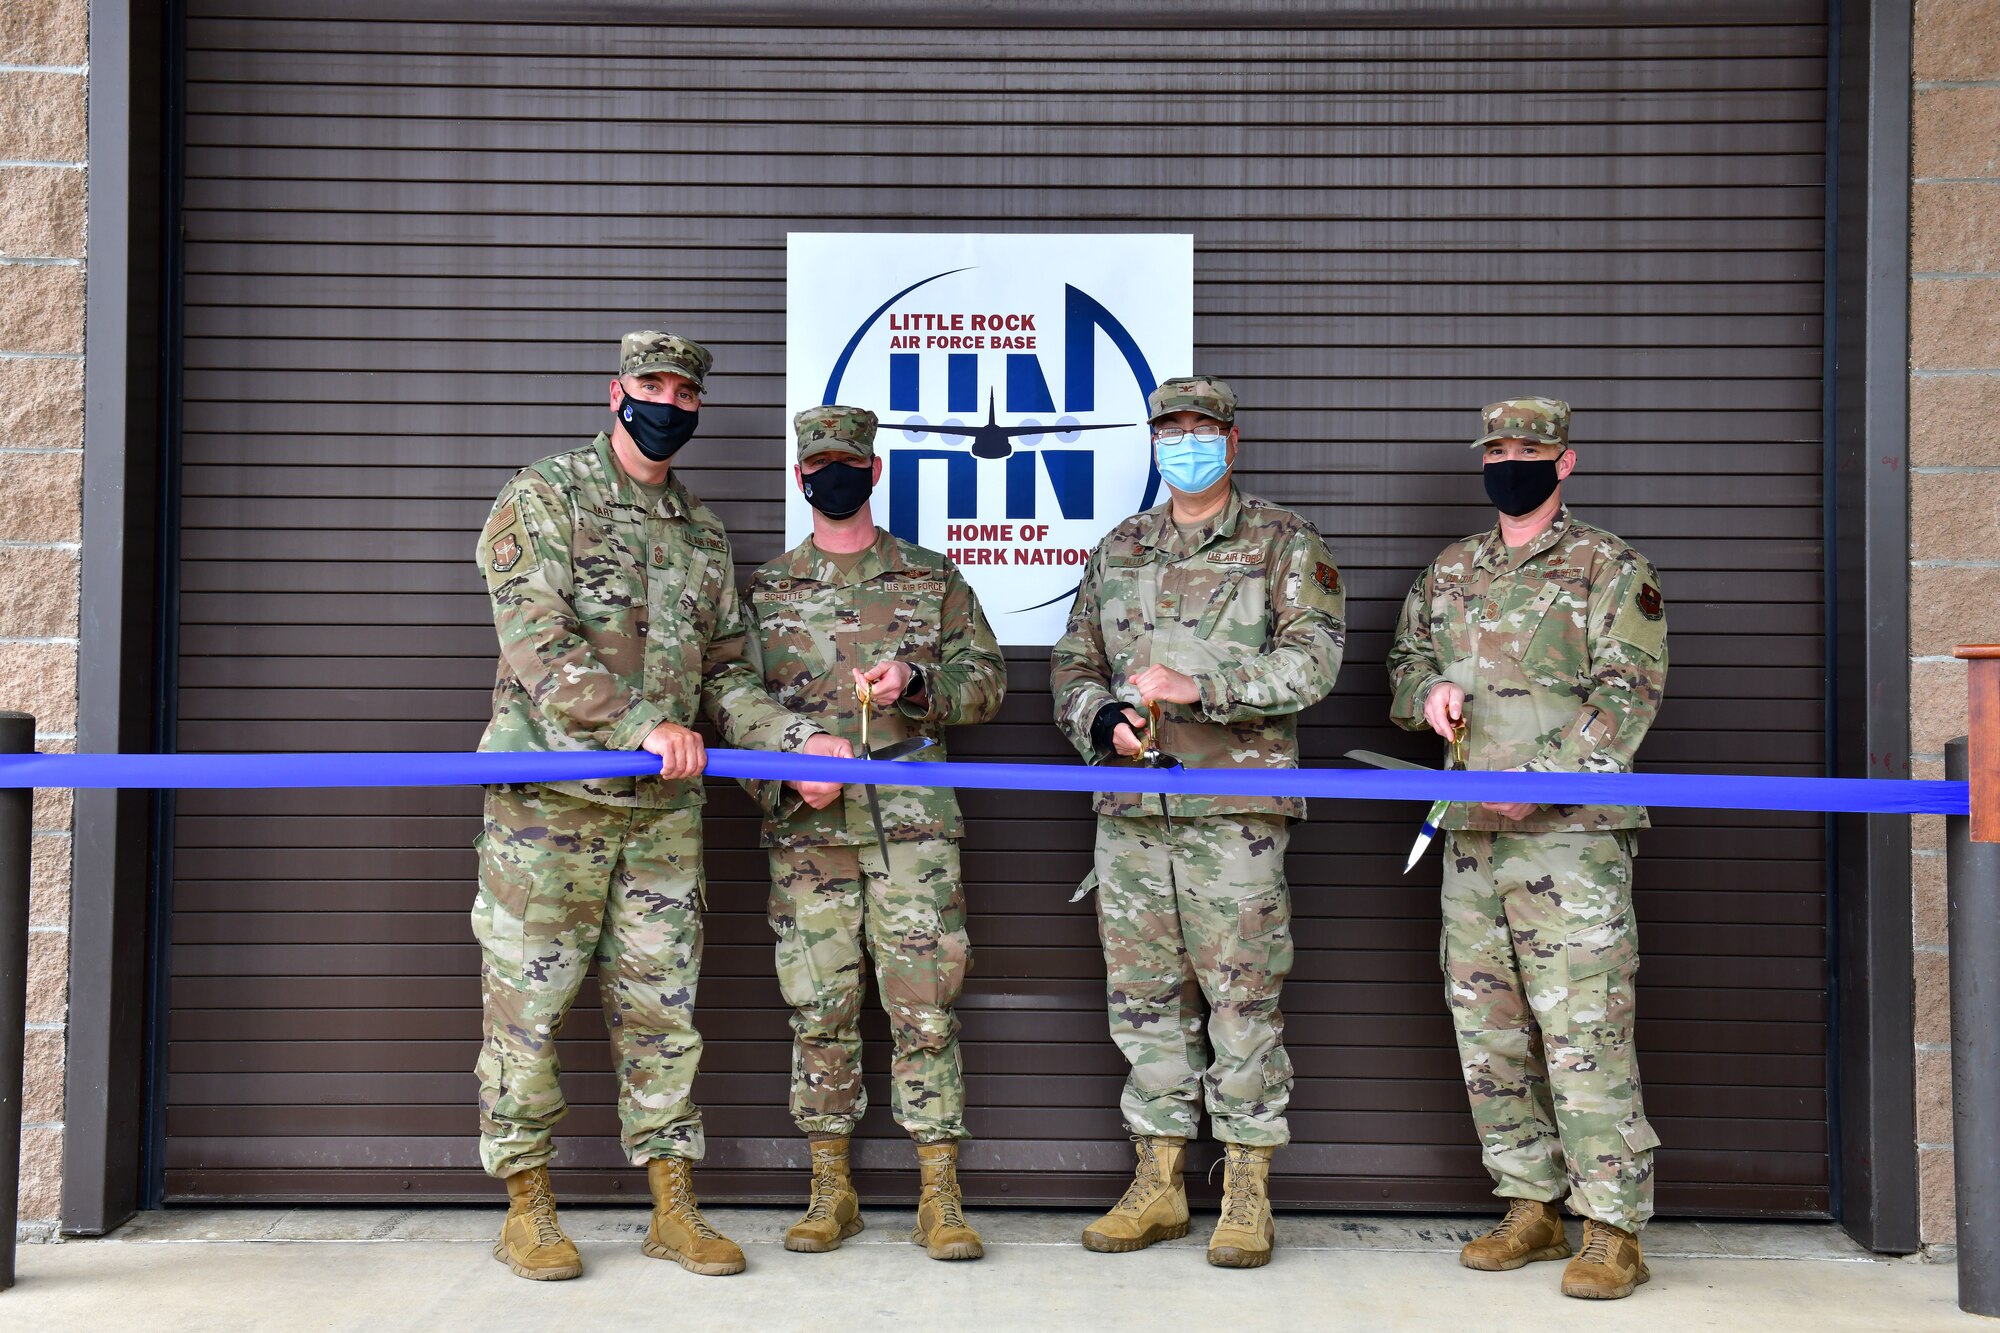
(380, 1269)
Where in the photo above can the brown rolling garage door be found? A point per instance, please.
(410, 246)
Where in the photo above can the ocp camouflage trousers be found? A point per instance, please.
(562, 882)
(828, 906)
(1201, 914)
(1540, 953)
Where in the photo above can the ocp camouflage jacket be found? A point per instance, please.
(615, 615)
(813, 626)
(1249, 604)
(1561, 649)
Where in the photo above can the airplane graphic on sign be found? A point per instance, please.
(928, 331)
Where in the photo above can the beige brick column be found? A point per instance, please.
(1954, 480)
(42, 155)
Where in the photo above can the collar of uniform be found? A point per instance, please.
(807, 561)
(1165, 533)
(1493, 552)
(673, 500)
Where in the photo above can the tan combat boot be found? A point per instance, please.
(833, 1211)
(531, 1241)
(679, 1231)
(1531, 1232)
(1155, 1205)
(1608, 1266)
(1244, 1233)
(941, 1226)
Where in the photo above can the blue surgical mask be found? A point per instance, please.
(1195, 463)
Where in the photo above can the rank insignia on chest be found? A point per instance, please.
(1650, 605)
(506, 553)
(1327, 577)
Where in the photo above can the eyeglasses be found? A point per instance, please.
(1174, 435)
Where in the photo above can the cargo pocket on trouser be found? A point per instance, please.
(1249, 1079)
(794, 963)
(1085, 888)
(941, 950)
(500, 906)
(1600, 962)
(1639, 1134)
(792, 884)
(1594, 1075)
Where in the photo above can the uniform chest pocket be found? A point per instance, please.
(1238, 603)
(918, 626)
(1128, 602)
(1452, 621)
(1513, 629)
(1558, 648)
(677, 584)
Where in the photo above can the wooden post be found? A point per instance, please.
(1982, 731)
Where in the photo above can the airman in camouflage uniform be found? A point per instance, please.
(853, 606)
(1228, 613)
(617, 615)
(1546, 639)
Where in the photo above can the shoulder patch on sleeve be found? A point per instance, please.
(503, 544)
(1326, 576)
(1641, 619)
(505, 552)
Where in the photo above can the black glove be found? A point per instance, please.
(1108, 720)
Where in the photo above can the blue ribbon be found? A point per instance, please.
(1703, 791)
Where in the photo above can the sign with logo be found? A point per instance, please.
(1010, 374)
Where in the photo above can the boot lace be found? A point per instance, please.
(944, 1193)
(684, 1203)
(542, 1212)
(1239, 1194)
(825, 1189)
(1144, 1180)
(1597, 1247)
(1521, 1214)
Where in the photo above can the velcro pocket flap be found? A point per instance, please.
(1260, 914)
(1600, 948)
(1639, 1134)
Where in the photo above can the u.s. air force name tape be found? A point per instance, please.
(1703, 791)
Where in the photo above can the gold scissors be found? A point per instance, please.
(1435, 815)
(1152, 756)
(866, 693)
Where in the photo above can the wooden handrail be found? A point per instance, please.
(1982, 730)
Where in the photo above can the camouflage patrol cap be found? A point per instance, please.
(648, 352)
(832, 429)
(1193, 393)
(1542, 419)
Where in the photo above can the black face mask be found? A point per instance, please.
(659, 429)
(837, 490)
(1516, 486)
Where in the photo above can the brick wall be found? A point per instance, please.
(1954, 479)
(42, 79)
(1954, 461)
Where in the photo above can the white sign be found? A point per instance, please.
(1010, 374)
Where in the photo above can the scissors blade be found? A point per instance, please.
(903, 748)
(1431, 819)
(1429, 831)
(897, 750)
(1374, 760)
(865, 696)
(875, 815)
